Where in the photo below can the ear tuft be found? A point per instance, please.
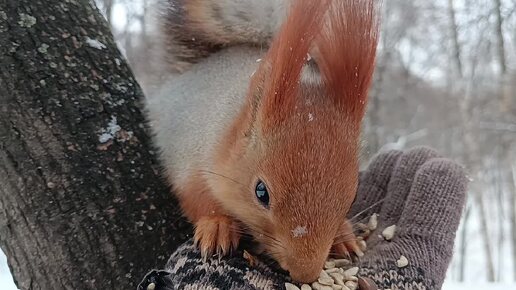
(347, 52)
(286, 57)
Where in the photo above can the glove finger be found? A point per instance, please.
(401, 182)
(436, 200)
(372, 185)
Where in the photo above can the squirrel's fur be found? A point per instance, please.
(194, 29)
(229, 119)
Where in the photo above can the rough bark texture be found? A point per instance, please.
(82, 204)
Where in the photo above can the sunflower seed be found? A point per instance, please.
(373, 222)
(350, 272)
(319, 286)
(388, 232)
(402, 262)
(326, 281)
(332, 270)
(338, 278)
(351, 285)
(362, 245)
(289, 286)
(323, 274)
(329, 265)
(341, 262)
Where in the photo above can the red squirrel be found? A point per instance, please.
(259, 127)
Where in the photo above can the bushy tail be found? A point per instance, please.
(195, 28)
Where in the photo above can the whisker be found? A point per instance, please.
(245, 232)
(221, 175)
(361, 220)
(366, 209)
(343, 240)
(354, 231)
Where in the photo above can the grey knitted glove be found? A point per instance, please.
(422, 194)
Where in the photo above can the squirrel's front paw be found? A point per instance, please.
(216, 234)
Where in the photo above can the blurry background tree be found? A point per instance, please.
(445, 78)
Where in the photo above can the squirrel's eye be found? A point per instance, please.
(262, 194)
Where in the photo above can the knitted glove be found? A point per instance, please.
(419, 192)
(423, 195)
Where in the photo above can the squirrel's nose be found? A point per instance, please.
(304, 271)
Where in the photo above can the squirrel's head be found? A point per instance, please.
(288, 166)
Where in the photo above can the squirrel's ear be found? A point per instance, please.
(346, 50)
(279, 73)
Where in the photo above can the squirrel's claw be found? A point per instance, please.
(347, 245)
(216, 235)
(343, 249)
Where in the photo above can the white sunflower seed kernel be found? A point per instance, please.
(338, 278)
(323, 274)
(341, 262)
(306, 287)
(388, 232)
(373, 222)
(329, 265)
(362, 245)
(352, 285)
(402, 262)
(332, 270)
(326, 281)
(289, 286)
(350, 272)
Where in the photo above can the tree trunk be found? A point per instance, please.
(484, 231)
(109, 10)
(463, 244)
(455, 39)
(512, 207)
(506, 98)
(82, 203)
(499, 35)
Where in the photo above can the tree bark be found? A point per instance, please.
(82, 202)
